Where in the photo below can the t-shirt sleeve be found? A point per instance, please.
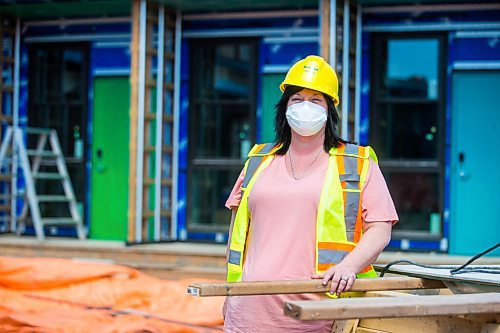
(235, 196)
(376, 201)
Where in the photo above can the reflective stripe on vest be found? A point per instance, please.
(338, 224)
(256, 159)
(259, 157)
(352, 165)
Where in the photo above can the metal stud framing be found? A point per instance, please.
(153, 155)
(9, 85)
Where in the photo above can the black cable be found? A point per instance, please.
(386, 267)
(453, 269)
(477, 256)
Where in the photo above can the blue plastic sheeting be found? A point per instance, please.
(484, 49)
(289, 22)
(65, 29)
(443, 17)
(110, 58)
(414, 245)
(286, 53)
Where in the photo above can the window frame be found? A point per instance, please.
(215, 163)
(379, 42)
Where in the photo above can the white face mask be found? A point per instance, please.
(306, 118)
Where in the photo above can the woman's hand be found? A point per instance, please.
(342, 277)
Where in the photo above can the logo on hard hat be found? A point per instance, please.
(307, 68)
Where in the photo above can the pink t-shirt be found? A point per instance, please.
(282, 242)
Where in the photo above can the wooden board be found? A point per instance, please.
(308, 286)
(442, 324)
(394, 307)
(459, 283)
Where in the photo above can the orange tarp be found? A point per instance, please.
(59, 295)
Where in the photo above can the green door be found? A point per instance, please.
(110, 139)
(474, 162)
(271, 95)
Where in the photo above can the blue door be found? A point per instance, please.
(475, 162)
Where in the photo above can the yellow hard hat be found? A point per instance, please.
(315, 73)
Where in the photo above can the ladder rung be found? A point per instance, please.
(170, 55)
(170, 24)
(166, 181)
(150, 213)
(168, 86)
(8, 160)
(59, 221)
(5, 176)
(152, 19)
(167, 149)
(44, 153)
(7, 88)
(151, 52)
(150, 83)
(48, 175)
(149, 148)
(5, 208)
(6, 118)
(7, 60)
(167, 118)
(150, 116)
(37, 130)
(53, 198)
(9, 195)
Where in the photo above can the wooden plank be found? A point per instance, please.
(345, 326)
(390, 307)
(134, 90)
(440, 324)
(368, 330)
(307, 286)
(325, 29)
(490, 328)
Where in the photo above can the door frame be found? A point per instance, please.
(439, 164)
(216, 163)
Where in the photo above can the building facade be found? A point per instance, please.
(420, 87)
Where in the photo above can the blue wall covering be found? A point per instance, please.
(467, 45)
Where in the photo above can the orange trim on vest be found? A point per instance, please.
(324, 267)
(335, 246)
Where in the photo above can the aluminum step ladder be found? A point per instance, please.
(47, 152)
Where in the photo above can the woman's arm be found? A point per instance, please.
(375, 238)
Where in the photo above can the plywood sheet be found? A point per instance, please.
(444, 274)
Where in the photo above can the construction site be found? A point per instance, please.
(124, 125)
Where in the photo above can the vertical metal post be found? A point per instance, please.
(159, 121)
(15, 123)
(345, 73)
(140, 121)
(176, 115)
(357, 96)
(332, 58)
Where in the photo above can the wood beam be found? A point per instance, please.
(325, 29)
(134, 89)
(308, 286)
(394, 307)
(434, 324)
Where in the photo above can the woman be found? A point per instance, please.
(310, 205)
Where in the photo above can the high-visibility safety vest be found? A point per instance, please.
(338, 223)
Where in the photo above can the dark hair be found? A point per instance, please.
(283, 131)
